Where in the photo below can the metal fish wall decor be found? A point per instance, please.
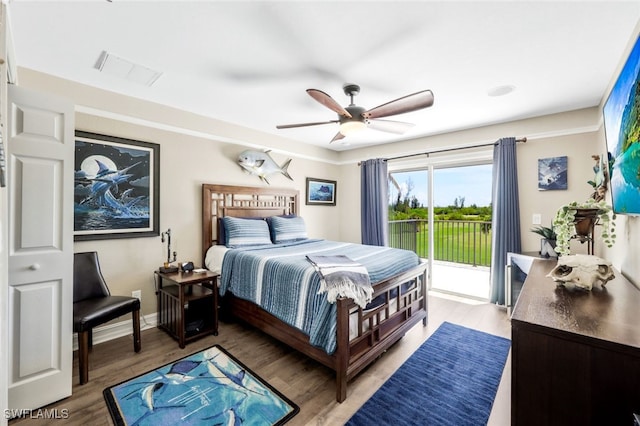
(261, 164)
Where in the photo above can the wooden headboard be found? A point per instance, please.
(219, 201)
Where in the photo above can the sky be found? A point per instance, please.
(471, 182)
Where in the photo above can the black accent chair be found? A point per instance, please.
(93, 305)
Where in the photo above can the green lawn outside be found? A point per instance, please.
(467, 242)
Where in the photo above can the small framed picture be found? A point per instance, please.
(321, 192)
(552, 173)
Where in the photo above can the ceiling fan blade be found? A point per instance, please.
(398, 127)
(407, 103)
(317, 123)
(337, 137)
(328, 101)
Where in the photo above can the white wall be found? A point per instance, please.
(578, 148)
(573, 134)
(193, 151)
(577, 134)
(196, 149)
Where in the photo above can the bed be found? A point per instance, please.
(361, 335)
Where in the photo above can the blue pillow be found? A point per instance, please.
(286, 229)
(245, 232)
(222, 234)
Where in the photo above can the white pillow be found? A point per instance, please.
(213, 258)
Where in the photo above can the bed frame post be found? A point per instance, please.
(342, 349)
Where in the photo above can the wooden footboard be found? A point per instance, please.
(376, 330)
(372, 332)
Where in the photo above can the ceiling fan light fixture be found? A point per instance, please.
(354, 118)
(350, 127)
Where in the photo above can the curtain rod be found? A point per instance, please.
(447, 150)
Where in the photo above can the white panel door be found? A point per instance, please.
(40, 150)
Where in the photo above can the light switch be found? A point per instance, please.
(536, 219)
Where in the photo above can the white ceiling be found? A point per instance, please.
(250, 62)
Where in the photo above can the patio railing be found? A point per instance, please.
(459, 241)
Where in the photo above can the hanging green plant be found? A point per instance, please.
(566, 217)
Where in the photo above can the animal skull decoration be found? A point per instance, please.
(582, 270)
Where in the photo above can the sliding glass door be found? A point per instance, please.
(444, 215)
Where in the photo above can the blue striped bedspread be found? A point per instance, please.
(281, 280)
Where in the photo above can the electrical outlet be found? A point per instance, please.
(536, 219)
(137, 294)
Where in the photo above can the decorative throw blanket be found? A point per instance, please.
(342, 277)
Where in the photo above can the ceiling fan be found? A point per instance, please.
(354, 118)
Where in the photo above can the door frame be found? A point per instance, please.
(6, 52)
(481, 156)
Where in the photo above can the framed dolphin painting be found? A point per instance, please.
(116, 189)
(321, 192)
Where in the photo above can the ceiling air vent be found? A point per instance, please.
(115, 65)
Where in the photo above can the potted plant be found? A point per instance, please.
(577, 218)
(548, 240)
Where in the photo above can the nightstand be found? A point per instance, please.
(188, 304)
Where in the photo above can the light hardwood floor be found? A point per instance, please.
(307, 383)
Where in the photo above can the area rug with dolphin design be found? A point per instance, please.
(451, 379)
(208, 387)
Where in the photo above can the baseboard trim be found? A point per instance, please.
(120, 329)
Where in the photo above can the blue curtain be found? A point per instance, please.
(505, 223)
(374, 190)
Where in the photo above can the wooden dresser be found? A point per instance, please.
(575, 354)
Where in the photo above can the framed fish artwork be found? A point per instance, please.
(321, 192)
(116, 187)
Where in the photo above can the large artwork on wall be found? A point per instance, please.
(116, 192)
(622, 129)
